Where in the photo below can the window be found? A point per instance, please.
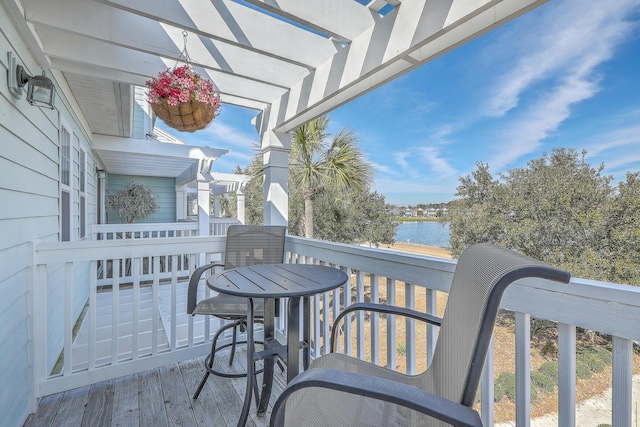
(65, 184)
(82, 165)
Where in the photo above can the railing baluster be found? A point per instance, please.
(156, 303)
(93, 308)
(174, 301)
(190, 330)
(115, 309)
(622, 382)
(487, 390)
(347, 319)
(375, 320)
(431, 330)
(523, 369)
(391, 326)
(135, 327)
(68, 320)
(566, 375)
(410, 329)
(360, 315)
(316, 325)
(326, 320)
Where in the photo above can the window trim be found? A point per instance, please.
(65, 133)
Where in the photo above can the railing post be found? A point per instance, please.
(37, 325)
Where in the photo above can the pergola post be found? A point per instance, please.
(216, 205)
(275, 151)
(203, 207)
(240, 203)
(181, 202)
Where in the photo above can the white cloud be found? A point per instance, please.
(576, 37)
(564, 54)
(524, 135)
(437, 165)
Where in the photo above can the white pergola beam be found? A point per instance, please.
(409, 36)
(228, 21)
(100, 22)
(94, 53)
(341, 19)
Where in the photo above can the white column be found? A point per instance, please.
(216, 205)
(181, 202)
(275, 150)
(240, 203)
(203, 208)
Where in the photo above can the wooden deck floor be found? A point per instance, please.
(159, 397)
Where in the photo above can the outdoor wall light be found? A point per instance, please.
(40, 92)
(101, 173)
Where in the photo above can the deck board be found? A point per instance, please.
(158, 397)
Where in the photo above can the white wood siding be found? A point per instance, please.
(29, 211)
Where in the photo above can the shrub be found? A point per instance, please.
(505, 385)
(550, 348)
(543, 382)
(549, 369)
(592, 360)
(583, 371)
(401, 348)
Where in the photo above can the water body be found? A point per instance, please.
(423, 233)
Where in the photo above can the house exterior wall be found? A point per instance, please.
(30, 204)
(163, 188)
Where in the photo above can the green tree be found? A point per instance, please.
(622, 243)
(558, 209)
(318, 161)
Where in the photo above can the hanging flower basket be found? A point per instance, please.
(183, 100)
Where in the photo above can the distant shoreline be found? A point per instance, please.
(436, 251)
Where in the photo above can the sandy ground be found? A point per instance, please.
(592, 412)
(420, 249)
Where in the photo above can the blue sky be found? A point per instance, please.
(564, 75)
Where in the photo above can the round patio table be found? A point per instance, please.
(273, 281)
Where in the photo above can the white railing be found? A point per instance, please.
(605, 308)
(219, 226)
(134, 343)
(129, 329)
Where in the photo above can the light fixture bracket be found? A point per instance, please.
(12, 78)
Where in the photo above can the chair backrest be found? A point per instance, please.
(482, 274)
(254, 244)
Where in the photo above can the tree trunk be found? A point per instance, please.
(308, 217)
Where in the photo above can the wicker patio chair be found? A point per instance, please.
(339, 390)
(245, 245)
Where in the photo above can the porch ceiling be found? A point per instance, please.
(147, 158)
(293, 59)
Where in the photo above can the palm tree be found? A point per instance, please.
(317, 161)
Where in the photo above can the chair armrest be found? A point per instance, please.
(192, 293)
(382, 308)
(378, 389)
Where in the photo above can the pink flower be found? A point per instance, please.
(182, 84)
